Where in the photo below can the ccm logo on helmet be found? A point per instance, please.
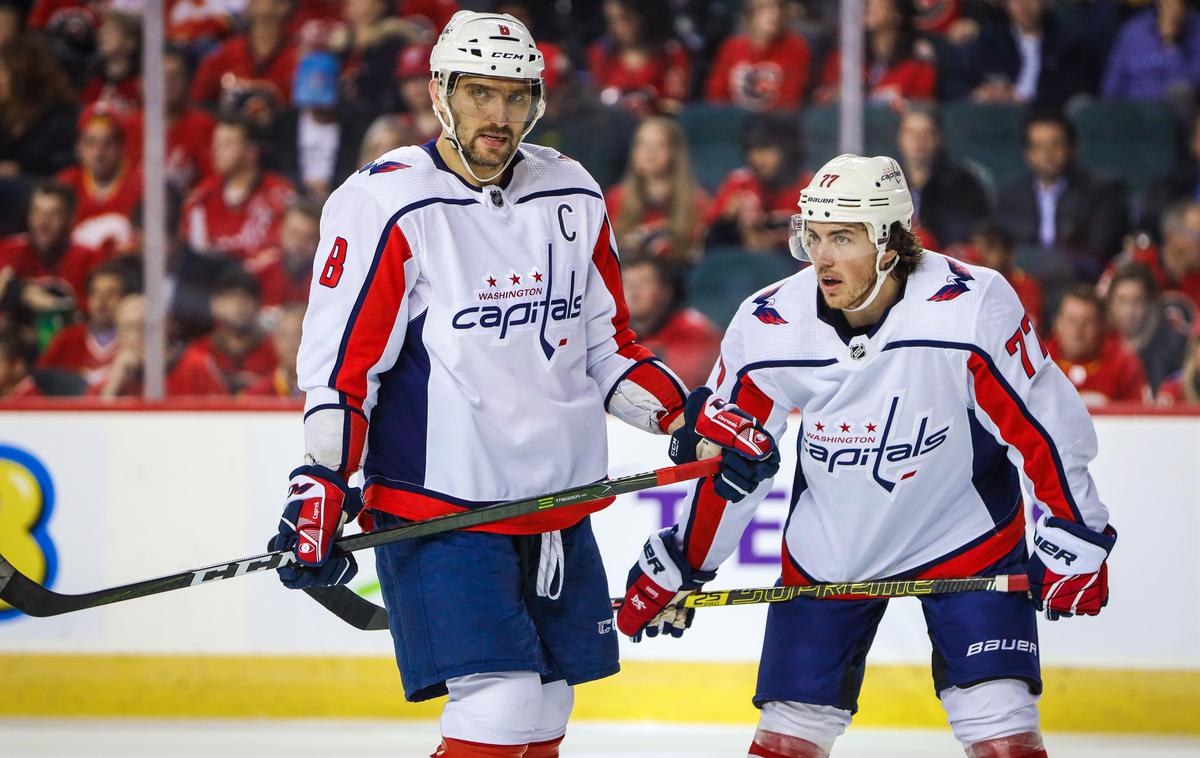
(508, 56)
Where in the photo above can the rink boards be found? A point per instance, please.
(120, 496)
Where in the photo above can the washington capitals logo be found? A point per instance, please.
(386, 167)
(957, 286)
(765, 312)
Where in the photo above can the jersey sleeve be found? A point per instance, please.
(709, 526)
(358, 310)
(1025, 402)
(638, 387)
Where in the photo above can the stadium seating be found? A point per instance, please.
(728, 275)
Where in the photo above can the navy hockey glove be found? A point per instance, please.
(319, 503)
(661, 575)
(748, 452)
(1068, 571)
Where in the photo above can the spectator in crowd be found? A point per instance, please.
(1058, 204)
(991, 246)
(1029, 57)
(123, 376)
(116, 72)
(107, 183)
(556, 63)
(1181, 182)
(683, 337)
(262, 57)
(658, 208)
(437, 13)
(765, 67)
(12, 18)
(88, 348)
(1156, 52)
(16, 380)
(45, 255)
(1183, 389)
(284, 272)
(1155, 330)
(282, 381)
(317, 139)
(755, 203)
(1095, 359)
(1175, 264)
(237, 351)
(899, 65)
(37, 111)
(412, 74)
(369, 42)
(189, 128)
(949, 199)
(235, 212)
(636, 64)
(386, 133)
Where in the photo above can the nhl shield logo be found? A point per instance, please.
(858, 351)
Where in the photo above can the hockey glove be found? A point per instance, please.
(319, 504)
(660, 576)
(1068, 572)
(748, 452)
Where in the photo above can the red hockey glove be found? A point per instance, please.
(749, 455)
(319, 504)
(661, 575)
(1068, 571)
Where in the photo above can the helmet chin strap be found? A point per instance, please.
(880, 277)
(447, 122)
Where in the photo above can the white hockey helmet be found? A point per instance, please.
(855, 189)
(494, 45)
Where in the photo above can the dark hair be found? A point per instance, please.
(1084, 292)
(59, 190)
(906, 36)
(907, 247)
(930, 111)
(671, 276)
(779, 130)
(14, 346)
(36, 83)
(991, 230)
(305, 206)
(233, 278)
(657, 22)
(127, 268)
(1047, 116)
(250, 132)
(1134, 272)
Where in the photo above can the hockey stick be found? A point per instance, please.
(852, 590)
(31, 598)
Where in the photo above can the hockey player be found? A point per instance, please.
(467, 329)
(925, 397)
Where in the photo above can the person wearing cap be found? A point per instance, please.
(467, 317)
(412, 77)
(107, 183)
(925, 397)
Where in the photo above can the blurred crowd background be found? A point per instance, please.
(1057, 142)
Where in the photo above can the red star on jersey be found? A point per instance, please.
(515, 279)
(870, 427)
(820, 427)
(845, 427)
(491, 280)
(537, 277)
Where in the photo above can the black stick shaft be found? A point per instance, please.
(31, 598)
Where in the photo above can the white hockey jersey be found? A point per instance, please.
(914, 433)
(482, 333)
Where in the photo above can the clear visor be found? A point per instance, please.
(497, 101)
(829, 240)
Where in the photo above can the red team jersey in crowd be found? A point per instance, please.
(104, 218)
(907, 79)
(1151, 258)
(192, 20)
(275, 385)
(1029, 292)
(44, 12)
(210, 225)
(191, 380)
(76, 348)
(687, 342)
(1114, 375)
(438, 12)
(760, 79)
(780, 199)
(72, 269)
(279, 285)
(203, 358)
(233, 57)
(664, 74)
(189, 146)
(123, 94)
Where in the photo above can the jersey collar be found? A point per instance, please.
(837, 319)
(431, 148)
